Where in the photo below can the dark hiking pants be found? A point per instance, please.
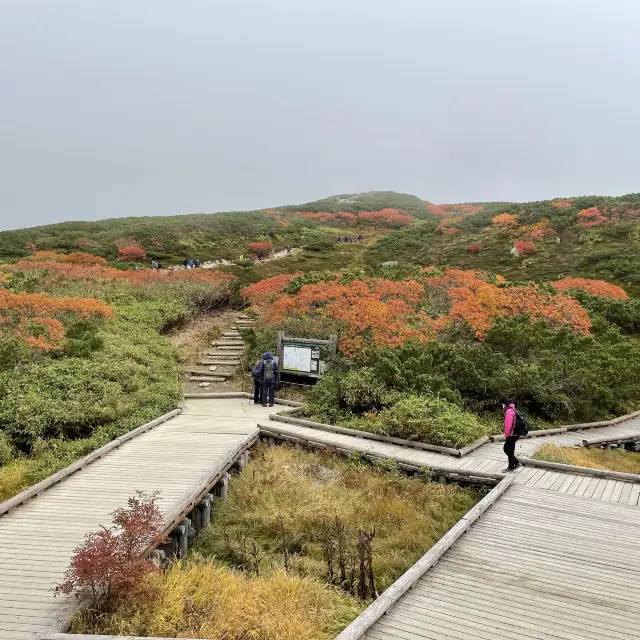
(257, 387)
(509, 449)
(268, 389)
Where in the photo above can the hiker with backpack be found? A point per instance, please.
(268, 373)
(257, 382)
(515, 426)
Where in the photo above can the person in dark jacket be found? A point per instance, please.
(257, 383)
(510, 433)
(268, 372)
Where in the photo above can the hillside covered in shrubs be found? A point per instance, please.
(591, 236)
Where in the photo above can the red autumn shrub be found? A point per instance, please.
(524, 248)
(562, 204)
(110, 562)
(474, 247)
(30, 246)
(261, 247)
(133, 253)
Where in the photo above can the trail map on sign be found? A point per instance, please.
(297, 358)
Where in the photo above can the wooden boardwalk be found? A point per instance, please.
(38, 537)
(539, 565)
(562, 543)
(488, 459)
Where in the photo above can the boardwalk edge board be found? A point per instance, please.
(372, 436)
(83, 636)
(238, 394)
(34, 490)
(452, 473)
(539, 433)
(587, 471)
(380, 606)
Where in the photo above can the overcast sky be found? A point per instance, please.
(150, 107)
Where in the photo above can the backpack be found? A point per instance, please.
(267, 374)
(521, 427)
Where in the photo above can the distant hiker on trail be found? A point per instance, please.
(268, 373)
(185, 263)
(338, 241)
(515, 425)
(257, 382)
(154, 265)
(197, 263)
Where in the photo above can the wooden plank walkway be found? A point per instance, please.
(538, 565)
(176, 457)
(489, 458)
(38, 537)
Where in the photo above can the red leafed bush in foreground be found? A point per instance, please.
(110, 562)
(474, 248)
(594, 287)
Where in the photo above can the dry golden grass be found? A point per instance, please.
(286, 498)
(201, 599)
(290, 497)
(613, 460)
(14, 478)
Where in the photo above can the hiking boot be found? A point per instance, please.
(271, 404)
(264, 405)
(507, 470)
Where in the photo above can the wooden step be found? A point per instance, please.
(234, 363)
(206, 379)
(224, 354)
(227, 343)
(211, 374)
(231, 335)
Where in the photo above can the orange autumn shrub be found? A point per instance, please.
(505, 220)
(591, 218)
(266, 290)
(132, 253)
(474, 247)
(388, 216)
(83, 271)
(594, 287)
(38, 319)
(379, 313)
(75, 258)
(561, 204)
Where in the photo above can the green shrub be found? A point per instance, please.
(7, 450)
(361, 390)
(431, 419)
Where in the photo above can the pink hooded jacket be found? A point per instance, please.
(509, 419)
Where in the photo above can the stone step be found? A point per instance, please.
(232, 363)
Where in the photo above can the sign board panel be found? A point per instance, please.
(297, 358)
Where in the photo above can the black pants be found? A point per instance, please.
(509, 449)
(268, 389)
(257, 386)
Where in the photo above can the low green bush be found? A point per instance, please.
(433, 420)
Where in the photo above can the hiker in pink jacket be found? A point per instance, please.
(510, 433)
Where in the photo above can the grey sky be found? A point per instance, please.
(130, 107)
